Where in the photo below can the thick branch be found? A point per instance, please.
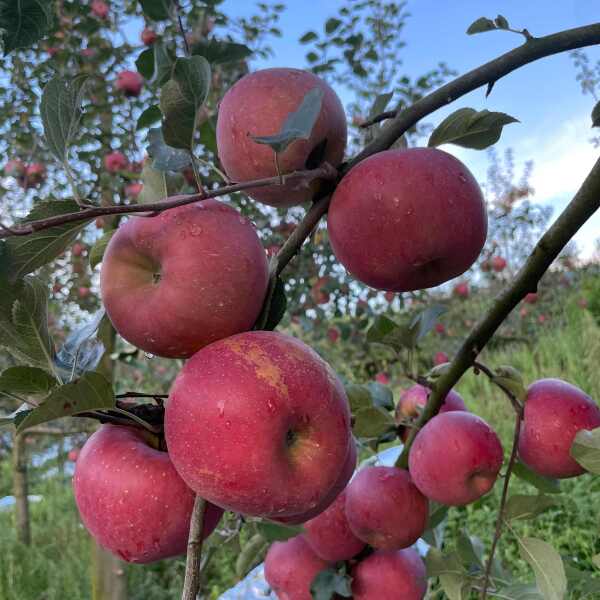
(490, 72)
(191, 585)
(324, 172)
(580, 209)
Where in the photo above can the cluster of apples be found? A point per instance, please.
(27, 175)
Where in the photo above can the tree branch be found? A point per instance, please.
(580, 209)
(191, 585)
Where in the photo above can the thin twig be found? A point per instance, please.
(479, 366)
(191, 585)
(503, 499)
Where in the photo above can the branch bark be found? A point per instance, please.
(191, 585)
(585, 203)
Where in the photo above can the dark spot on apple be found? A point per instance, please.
(317, 155)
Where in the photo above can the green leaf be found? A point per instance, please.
(372, 422)
(381, 395)
(298, 124)
(547, 566)
(470, 129)
(219, 52)
(157, 10)
(456, 586)
(24, 23)
(501, 22)
(521, 591)
(480, 25)
(425, 321)
(359, 397)
(309, 36)
(92, 392)
(389, 333)
(193, 76)
(163, 63)
(165, 158)
(99, 247)
(26, 381)
(24, 322)
(522, 506)
(586, 450)
(273, 532)
(277, 306)
(437, 513)
(544, 484)
(512, 380)
(596, 115)
(331, 25)
(470, 550)
(30, 252)
(61, 112)
(145, 63)
(329, 584)
(150, 116)
(155, 185)
(596, 560)
(438, 564)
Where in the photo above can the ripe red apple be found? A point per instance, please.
(148, 36)
(523, 313)
(14, 168)
(88, 52)
(329, 534)
(83, 292)
(131, 499)
(35, 174)
(554, 412)
(99, 9)
(259, 424)
(258, 105)
(196, 274)
(439, 328)
(320, 295)
(531, 298)
(115, 161)
(455, 459)
(385, 509)
(133, 190)
(382, 378)
(390, 575)
(440, 358)
(290, 568)
(77, 249)
(498, 264)
(333, 334)
(130, 82)
(73, 454)
(542, 319)
(404, 220)
(461, 289)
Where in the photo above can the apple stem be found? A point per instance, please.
(191, 583)
(503, 499)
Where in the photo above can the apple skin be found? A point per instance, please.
(290, 568)
(404, 220)
(148, 36)
(385, 509)
(99, 9)
(73, 454)
(131, 499)
(554, 412)
(390, 574)
(196, 274)
(344, 477)
(498, 263)
(455, 458)
(130, 83)
(133, 190)
(258, 423)
(258, 105)
(115, 161)
(329, 534)
(35, 174)
(461, 290)
(440, 358)
(531, 298)
(15, 168)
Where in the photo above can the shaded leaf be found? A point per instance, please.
(480, 25)
(328, 583)
(26, 381)
(544, 484)
(219, 52)
(470, 129)
(61, 112)
(309, 36)
(332, 24)
(277, 306)
(470, 550)
(456, 586)
(389, 333)
(157, 10)
(163, 63)
(144, 63)
(596, 115)
(522, 506)
(547, 566)
(381, 395)
(425, 321)
(512, 380)
(24, 23)
(274, 532)
(501, 22)
(438, 564)
(359, 397)
(522, 591)
(150, 116)
(99, 247)
(586, 450)
(165, 158)
(92, 392)
(298, 124)
(372, 422)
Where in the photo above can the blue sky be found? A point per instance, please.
(555, 116)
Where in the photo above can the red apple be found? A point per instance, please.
(115, 161)
(382, 378)
(73, 454)
(99, 9)
(133, 190)
(542, 319)
(196, 274)
(130, 83)
(404, 220)
(390, 575)
(320, 295)
(389, 296)
(131, 499)
(385, 509)
(439, 359)
(290, 568)
(333, 334)
(83, 292)
(258, 105)
(35, 174)
(14, 168)
(455, 458)
(461, 289)
(148, 36)
(531, 298)
(554, 412)
(439, 328)
(329, 533)
(77, 249)
(523, 313)
(498, 264)
(259, 424)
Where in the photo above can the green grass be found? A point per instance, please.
(56, 566)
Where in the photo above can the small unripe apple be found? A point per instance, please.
(130, 82)
(99, 9)
(461, 289)
(554, 412)
(455, 458)
(385, 509)
(498, 264)
(404, 220)
(115, 161)
(148, 36)
(390, 575)
(290, 568)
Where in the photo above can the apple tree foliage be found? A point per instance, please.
(62, 109)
